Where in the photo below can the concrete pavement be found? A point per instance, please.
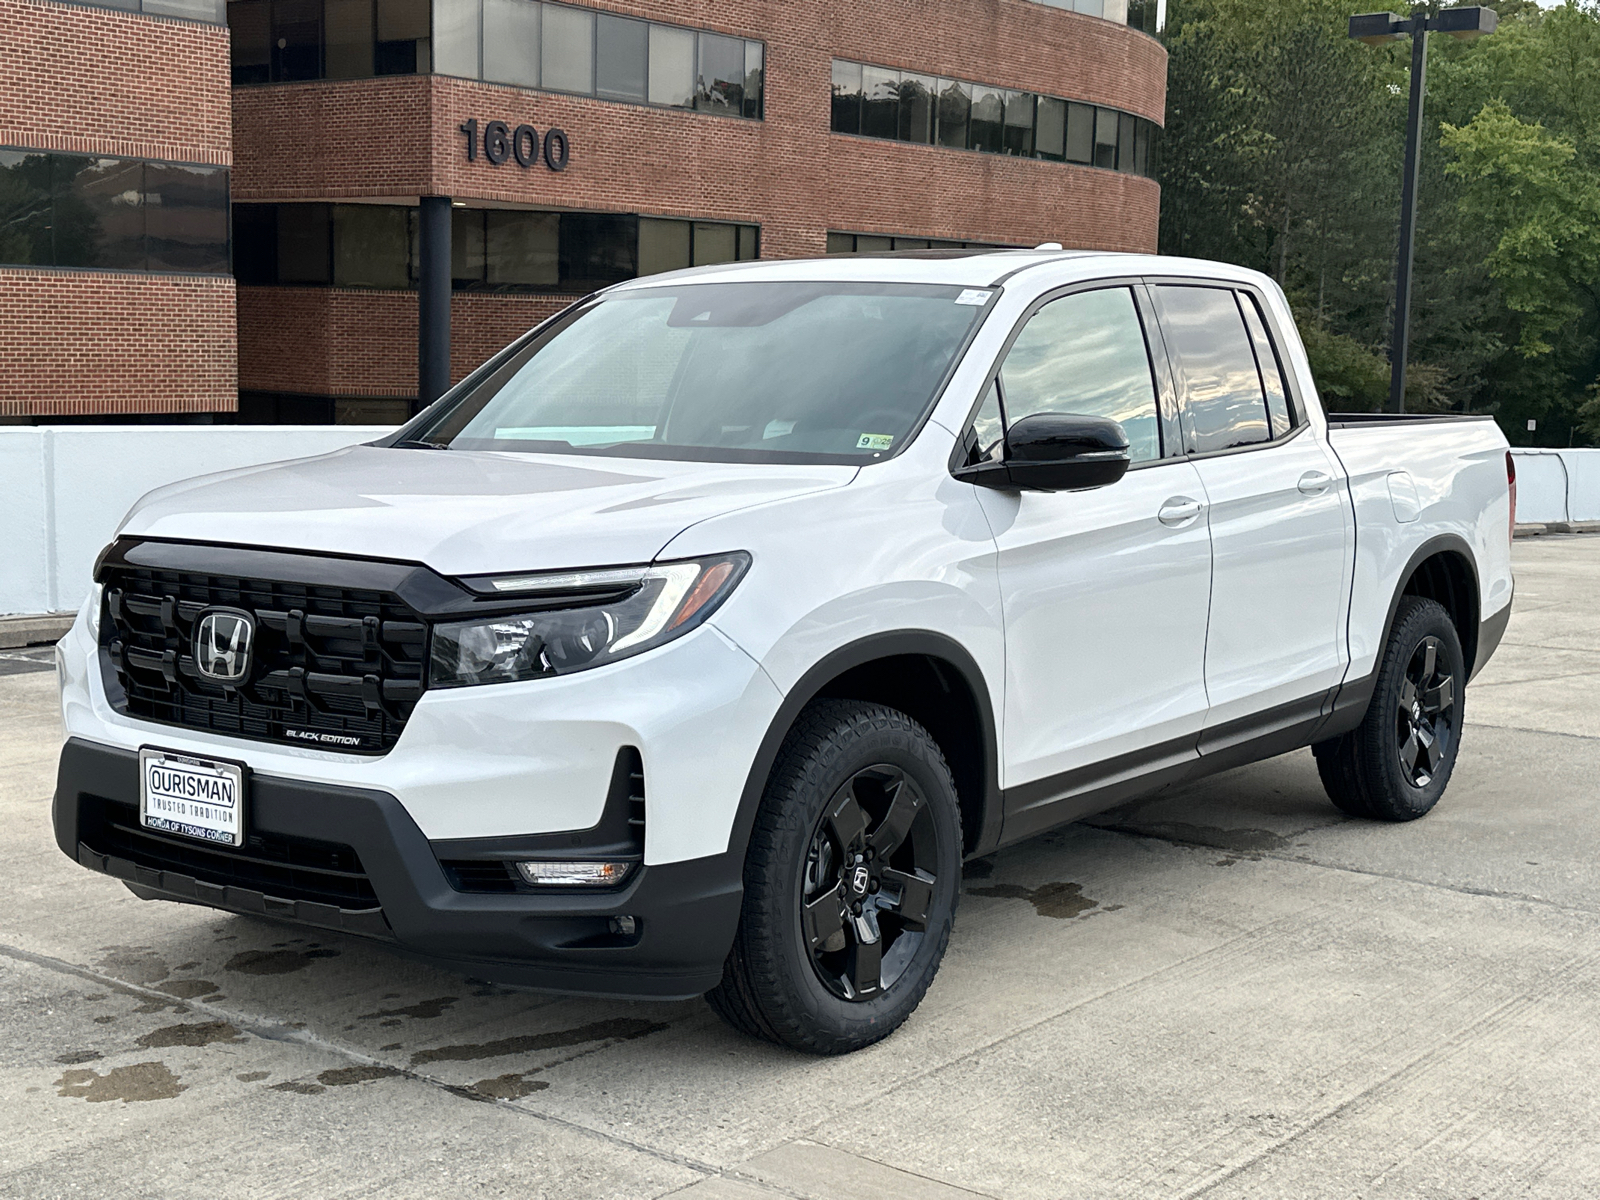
(1229, 991)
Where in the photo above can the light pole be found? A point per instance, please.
(1374, 29)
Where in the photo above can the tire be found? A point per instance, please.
(1396, 764)
(852, 779)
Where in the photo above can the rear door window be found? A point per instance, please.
(1085, 353)
(1269, 363)
(1224, 404)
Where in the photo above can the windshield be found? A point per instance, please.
(741, 372)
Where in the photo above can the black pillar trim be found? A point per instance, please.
(433, 300)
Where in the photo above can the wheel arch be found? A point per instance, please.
(932, 679)
(1445, 570)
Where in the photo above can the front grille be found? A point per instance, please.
(333, 667)
(290, 868)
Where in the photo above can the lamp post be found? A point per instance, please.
(1374, 29)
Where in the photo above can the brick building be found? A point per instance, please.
(417, 181)
(115, 136)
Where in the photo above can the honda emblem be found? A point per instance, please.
(222, 640)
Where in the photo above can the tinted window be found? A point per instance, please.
(371, 245)
(1080, 133)
(1086, 353)
(598, 249)
(955, 110)
(916, 108)
(347, 28)
(99, 212)
(622, 48)
(880, 112)
(186, 218)
(304, 243)
(846, 97)
(255, 237)
(567, 55)
(1019, 124)
(988, 119)
(522, 248)
(511, 42)
(250, 40)
(754, 77)
(297, 39)
(714, 243)
(402, 45)
(1051, 131)
(1224, 406)
(663, 245)
(1105, 138)
(719, 86)
(25, 208)
(672, 66)
(1270, 365)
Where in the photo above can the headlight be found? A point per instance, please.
(592, 618)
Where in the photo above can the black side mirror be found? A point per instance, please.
(1056, 452)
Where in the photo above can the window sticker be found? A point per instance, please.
(777, 429)
(974, 296)
(875, 441)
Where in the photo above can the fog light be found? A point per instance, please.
(624, 926)
(574, 874)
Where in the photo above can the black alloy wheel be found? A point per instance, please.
(868, 883)
(850, 882)
(1395, 765)
(1426, 704)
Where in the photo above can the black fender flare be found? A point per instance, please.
(925, 642)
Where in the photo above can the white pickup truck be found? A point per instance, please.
(693, 642)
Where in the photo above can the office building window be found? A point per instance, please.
(491, 249)
(212, 12)
(525, 43)
(877, 243)
(113, 214)
(903, 106)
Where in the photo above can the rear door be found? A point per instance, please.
(1105, 591)
(1279, 514)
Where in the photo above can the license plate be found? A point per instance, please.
(198, 798)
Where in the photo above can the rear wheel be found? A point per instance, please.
(1396, 764)
(850, 882)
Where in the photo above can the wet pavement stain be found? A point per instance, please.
(1060, 900)
(252, 1076)
(623, 1028)
(73, 1058)
(141, 1081)
(508, 1087)
(345, 1076)
(422, 1010)
(202, 1033)
(148, 1007)
(187, 989)
(978, 868)
(134, 964)
(297, 1087)
(391, 1046)
(1245, 843)
(275, 962)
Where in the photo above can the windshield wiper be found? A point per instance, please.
(415, 444)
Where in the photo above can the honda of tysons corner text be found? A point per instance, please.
(693, 642)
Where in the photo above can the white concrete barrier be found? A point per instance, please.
(1557, 486)
(64, 489)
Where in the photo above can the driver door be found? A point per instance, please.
(1105, 592)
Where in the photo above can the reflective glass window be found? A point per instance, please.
(988, 429)
(622, 53)
(846, 97)
(1086, 353)
(522, 249)
(671, 66)
(715, 243)
(457, 35)
(955, 111)
(511, 42)
(347, 28)
(719, 81)
(754, 80)
(296, 39)
(916, 108)
(567, 50)
(873, 244)
(1125, 142)
(304, 243)
(255, 244)
(901, 243)
(189, 10)
(1105, 137)
(1050, 130)
(1269, 364)
(186, 218)
(403, 46)
(1018, 134)
(988, 120)
(663, 245)
(250, 40)
(371, 246)
(25, 223)
(1224, 406)
(1080, 133)
(841, 243)
(467, 267)
(99, 212)
(749, 243)
(598, 249)
(1094, 8)
(880, 107)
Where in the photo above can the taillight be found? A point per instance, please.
(1511, 487)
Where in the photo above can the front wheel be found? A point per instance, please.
(1395, 765)
(850, 882)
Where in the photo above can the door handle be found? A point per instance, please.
(1314, 483)
(1179, 510)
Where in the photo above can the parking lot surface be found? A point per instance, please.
(1228, 990)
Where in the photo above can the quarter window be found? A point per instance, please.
(1224, 406)
(1270, 366)
(1086, 353)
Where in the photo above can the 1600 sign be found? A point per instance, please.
(501, 142)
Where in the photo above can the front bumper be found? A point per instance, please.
(684, 912)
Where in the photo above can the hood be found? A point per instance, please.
(468, 512)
